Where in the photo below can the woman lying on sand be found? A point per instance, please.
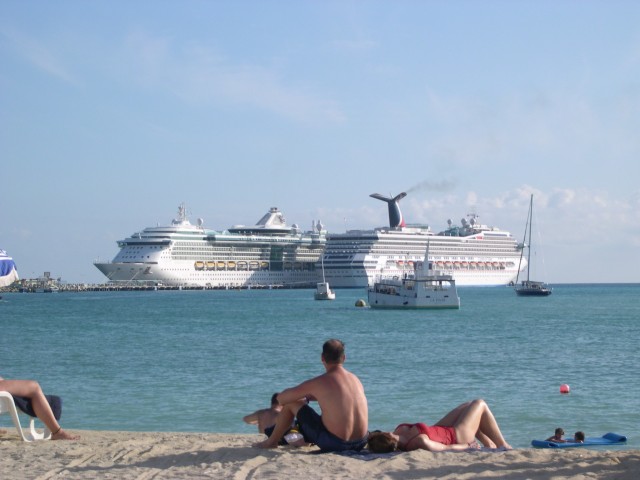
(456, 431)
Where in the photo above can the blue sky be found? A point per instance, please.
(113, 113)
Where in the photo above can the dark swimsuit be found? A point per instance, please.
(314, 431)
(444, 435)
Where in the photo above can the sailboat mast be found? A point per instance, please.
(528, 287)
(529, 242)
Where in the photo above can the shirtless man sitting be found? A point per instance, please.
(343, 424)
(265, 417)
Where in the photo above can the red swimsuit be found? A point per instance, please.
(444, 435)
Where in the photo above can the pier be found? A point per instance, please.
(24, 286)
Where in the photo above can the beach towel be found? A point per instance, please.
(366, 455)
(24, 404)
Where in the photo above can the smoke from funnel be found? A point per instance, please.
(433, 186)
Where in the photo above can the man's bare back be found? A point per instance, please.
(339, 393)
(341, 398)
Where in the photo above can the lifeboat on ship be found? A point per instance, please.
(199, 265)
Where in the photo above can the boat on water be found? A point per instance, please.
(323, 290)
(528, 287)
(471, 253)
(421, 288)
(184, 254)
(8, 270)
(47, 289)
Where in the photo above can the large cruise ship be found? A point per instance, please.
(474, 254)
(269, 253)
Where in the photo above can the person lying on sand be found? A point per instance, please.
(457, 430)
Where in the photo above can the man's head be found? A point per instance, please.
(333, 351)
(559, 432)
(579, 437)
(382, 442)
(274, 400)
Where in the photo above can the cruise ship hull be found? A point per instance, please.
(186, 275)
(473, 254)
(273, 254)
(364, 279)
(269, 253)
(469, 263)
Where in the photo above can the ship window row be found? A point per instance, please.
(298, 252)
(435, 244)
(419, 251)
(478, 244)
(205, 247)
(250, 240)
(450, 248)
(243, 256)
(422, 241)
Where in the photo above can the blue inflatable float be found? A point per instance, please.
(607, 439)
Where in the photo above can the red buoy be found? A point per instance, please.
(564, 388)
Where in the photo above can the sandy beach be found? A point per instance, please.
(128, 455)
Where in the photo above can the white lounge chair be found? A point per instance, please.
(28, 435)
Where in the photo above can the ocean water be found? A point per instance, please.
(197, 361)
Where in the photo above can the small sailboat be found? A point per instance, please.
(323, 290)
(529, 287)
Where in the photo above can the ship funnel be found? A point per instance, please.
(395, 215)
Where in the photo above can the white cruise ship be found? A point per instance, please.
(473, 254)
(269, 253)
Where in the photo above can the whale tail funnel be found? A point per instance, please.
(395, 215)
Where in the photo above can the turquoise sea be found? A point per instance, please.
(197, 361)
